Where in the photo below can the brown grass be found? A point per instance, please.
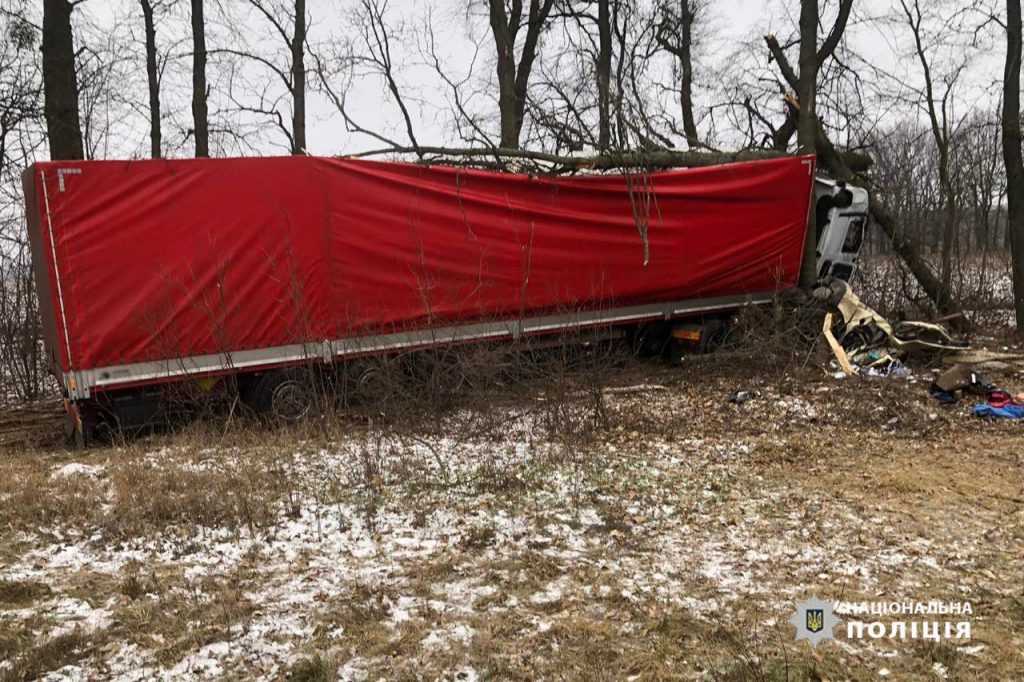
(40, 657)
(148, 496)
(183, 618)
(14, 593)
(947, 478)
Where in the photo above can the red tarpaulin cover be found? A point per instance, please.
(174, 258)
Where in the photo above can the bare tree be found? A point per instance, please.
(299, 77)
(1012, 154)
(506, 21)
(675, 34)
(976, 156)
(20, 84)
(937, 106)
(22, 139)
(806, 88)
(200, 113)
(603, 72)
(288, 24)
(59, 81)
(902, 243)
(604, 87)
(152, 78)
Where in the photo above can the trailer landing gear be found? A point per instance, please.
(77, 431)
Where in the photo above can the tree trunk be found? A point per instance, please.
(60, 85)
(1012, 155)
(834, 161)
(200, 124)
(807, 125)
(299, 80)
(153, 79)
(536, 20)
(513, 79)
(649, 160)
(504, 44)
(686, 19)
(604, 74)
(949, 228)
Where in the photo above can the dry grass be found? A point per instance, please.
(147, 496)
(33, 499)
(15, 593)
(163, 611)
(38, 657)
(538, 528)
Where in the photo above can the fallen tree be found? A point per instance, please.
(611, 160)
(903, 245)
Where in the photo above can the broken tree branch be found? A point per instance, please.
(614, 160)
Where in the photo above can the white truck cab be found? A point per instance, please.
(841, 221)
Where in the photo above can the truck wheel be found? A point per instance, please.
(284, 395)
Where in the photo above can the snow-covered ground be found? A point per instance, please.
(676, 540)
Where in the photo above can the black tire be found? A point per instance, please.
(374, 382)
(283, 395)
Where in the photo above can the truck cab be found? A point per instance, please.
(841, 220)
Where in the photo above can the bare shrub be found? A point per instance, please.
(23, 368)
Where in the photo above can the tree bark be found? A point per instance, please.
(504, 44)
(298, 47)
(615, 160)
(686, 19)
(200, 123)
(808, 78)
(60, 85)
(514, 79)
(806, 124)
(153, 80)
(1012, 155)
(604, 74)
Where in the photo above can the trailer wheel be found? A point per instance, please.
(373, 383)
(284, 395)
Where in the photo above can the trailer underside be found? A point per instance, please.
(82, 384)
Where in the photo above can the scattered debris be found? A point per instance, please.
(1000, 404)
(837, 350)
(740, 397)
(867, 344)
(959, 378)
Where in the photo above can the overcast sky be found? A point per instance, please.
(889, 72)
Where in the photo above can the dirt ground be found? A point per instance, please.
(639, 527)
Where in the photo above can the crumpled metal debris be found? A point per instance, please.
(871, 344)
